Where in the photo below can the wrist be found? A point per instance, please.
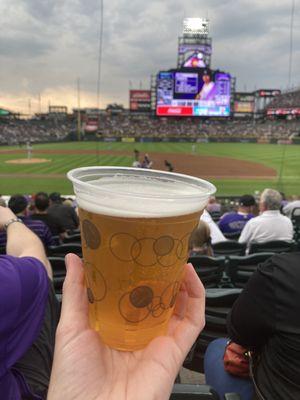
(12, 221)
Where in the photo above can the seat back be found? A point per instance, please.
(58, 265)
(296, 223)
(76, 238)
(209, 269)
(273, 246)
(215, 215)
(63, 249)
(232, 236)
(229, 247)
(59, 273)
(218, 305)
(240, 268)
(193, 392)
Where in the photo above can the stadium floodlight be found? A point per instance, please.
(195, 26)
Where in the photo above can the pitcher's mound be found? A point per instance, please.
(28, 161)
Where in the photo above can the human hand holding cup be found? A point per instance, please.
(135, 227)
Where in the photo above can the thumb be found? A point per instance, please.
(74, 313)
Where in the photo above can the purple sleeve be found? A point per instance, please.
(23, 297)
(49, 241)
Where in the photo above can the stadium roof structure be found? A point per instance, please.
(4, 112)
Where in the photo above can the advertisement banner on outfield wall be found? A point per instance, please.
(140, 100)
(244, 102)
(284, 141)
(128, 139)
(111, 139)
(263, 140)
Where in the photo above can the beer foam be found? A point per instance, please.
(141, 197)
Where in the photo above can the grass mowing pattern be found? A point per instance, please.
(267, 154)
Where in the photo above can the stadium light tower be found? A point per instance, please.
(194, 40)
(291, 44)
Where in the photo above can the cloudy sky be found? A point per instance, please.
(45, 45)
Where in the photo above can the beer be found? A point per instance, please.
(135, 243)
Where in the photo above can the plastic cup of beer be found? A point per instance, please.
(135, 227)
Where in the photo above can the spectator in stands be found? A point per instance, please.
(215, 233)
(213, 206)
(232, 223)
(67, 215)
(264, 319)
(41, 205)
(270, 224)
(84, 368)
(200, 241)
(18, 204)
(29, 313)
(289, 208)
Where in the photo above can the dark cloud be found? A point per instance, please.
(24, 47)
(57, 41)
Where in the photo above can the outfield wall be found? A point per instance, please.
(197, 140)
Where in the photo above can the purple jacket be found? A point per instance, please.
(23, 297)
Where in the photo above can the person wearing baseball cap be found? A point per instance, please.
(232, 223)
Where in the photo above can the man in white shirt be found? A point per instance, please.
(289, 208)
(270, 224)
(215, 233)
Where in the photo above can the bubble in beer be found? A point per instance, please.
(91, 234)
(163, 245)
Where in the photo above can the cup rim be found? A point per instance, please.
(209, 187)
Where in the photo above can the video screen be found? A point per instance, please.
(196, 60)
(193, 92)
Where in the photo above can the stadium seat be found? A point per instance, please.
(216, 215)
(229, 247)
(296, 223)
(56, 240)
(209, 269)
(59, 273)
(218, 305)
(2, 250)
(58, 265)
(193, 392)
(232, 236)
(274, 246)
(75, 238)
(240, 268)
(64, 249)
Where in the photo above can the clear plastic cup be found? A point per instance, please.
(135, 226)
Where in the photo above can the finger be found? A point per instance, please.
(189, 328)
(179, 309)
(181, 302)
(74, 300)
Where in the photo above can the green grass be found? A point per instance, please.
(285, 159)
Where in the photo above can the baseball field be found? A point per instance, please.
(235, 168)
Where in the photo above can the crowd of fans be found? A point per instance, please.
(30, 311)
(288, 99)
(18, 132)
(124, 126)
(13, 131)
